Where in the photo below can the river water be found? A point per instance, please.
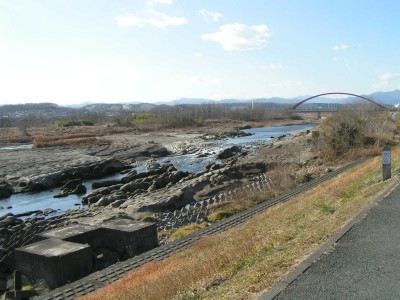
(195, 163)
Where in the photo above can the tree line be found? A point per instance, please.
(162, 115)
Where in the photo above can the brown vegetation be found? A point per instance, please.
(69, 141)
(9, 136)
(45, 139)
(15, 135)
(357, 128)
(182, 116)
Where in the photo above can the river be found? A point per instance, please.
(195, 163)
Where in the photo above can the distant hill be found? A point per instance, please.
(388, 98)
(186, 101)
(29, 107)
(79, 105)
(382, 97)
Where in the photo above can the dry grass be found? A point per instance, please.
(14, 135)
(44, 139)
(10, 136)
(252, 257)
(82, 139)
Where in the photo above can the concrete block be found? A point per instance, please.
(104, 245)
(76, 233)
(57, 262)
(129, 237)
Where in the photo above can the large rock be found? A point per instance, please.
(108, 199)
(40, 182)
(253, 168)
(169, 190)
(6, 190)
(74, 186)
(95, 195)
(8, 221)
(105, 183)
(85, 170)
(158, 177)
(228, 152)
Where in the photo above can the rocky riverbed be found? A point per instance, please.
(161, 189)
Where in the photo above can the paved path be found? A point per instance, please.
(365, 263)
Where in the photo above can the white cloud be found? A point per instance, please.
(153, 2)
(276, 66)
(128, 21)
(210, 15)
(288, 84)
(240, 37)
(152, 18)
(200, 80)
(389, 76)
(340, 47)
(292, 83)
(198, 54)
(388, 81)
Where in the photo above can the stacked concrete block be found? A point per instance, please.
(57, 262)
(129, 238)
(66, 254)
(76, 233)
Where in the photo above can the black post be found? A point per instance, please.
(17, 280)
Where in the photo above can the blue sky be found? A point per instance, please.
(72, 51)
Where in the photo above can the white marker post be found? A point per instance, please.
(386, 163)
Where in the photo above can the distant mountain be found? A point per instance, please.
(31, 107)
(275, 100)
(79, 105)
(191, 101)
(382, 97)
(231, 101)
(387, 97)
(186, 101)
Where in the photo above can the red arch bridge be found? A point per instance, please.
(318, 111)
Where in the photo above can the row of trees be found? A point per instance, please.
(162, 115)
(196, 115)
(42, 120)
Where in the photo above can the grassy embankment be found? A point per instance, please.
(252, 257)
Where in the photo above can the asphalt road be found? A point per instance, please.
(365, 263)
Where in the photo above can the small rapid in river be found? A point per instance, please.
(194, 163)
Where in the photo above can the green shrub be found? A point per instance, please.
(186, 230)
(144, 118)
(68, 123)
(220, 215)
